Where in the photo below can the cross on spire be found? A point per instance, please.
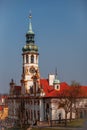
(30, 15)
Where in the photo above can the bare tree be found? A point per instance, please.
(74, 94)
(68, 98)
(65, 103)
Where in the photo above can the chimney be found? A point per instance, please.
(51, 78)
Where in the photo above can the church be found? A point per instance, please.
(38, 99)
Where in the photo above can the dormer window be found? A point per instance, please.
(57, 87)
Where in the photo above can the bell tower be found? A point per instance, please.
(30, 62)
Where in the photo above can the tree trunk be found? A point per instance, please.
(71, 111)
(65, 118)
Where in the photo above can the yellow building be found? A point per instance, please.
(3, 112)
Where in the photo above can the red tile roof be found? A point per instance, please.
(18, 87)
(84, 91)
(1, 108)
(50, 91)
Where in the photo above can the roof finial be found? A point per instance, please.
(56, 81)
(30, 15)
(56, 72)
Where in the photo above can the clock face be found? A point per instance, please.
(32, 70)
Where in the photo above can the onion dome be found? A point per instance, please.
(30, 48)
(56, 81)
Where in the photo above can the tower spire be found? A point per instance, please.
(56, 76)
(30, 24)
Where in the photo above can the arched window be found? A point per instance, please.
(47, 108)
(38, 113)
(32, 58)
(26, 58)
(34, 114)
(29, 114)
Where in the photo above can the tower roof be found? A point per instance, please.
(30, 43)
(30, 48)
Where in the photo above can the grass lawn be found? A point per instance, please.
(48, 129)
(78, 123)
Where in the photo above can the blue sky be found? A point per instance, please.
(60, 28)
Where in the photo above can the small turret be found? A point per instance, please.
(12, 85)
(56, 82)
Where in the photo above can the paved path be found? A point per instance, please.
(85, 125)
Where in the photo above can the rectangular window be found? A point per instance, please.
(27, 59)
